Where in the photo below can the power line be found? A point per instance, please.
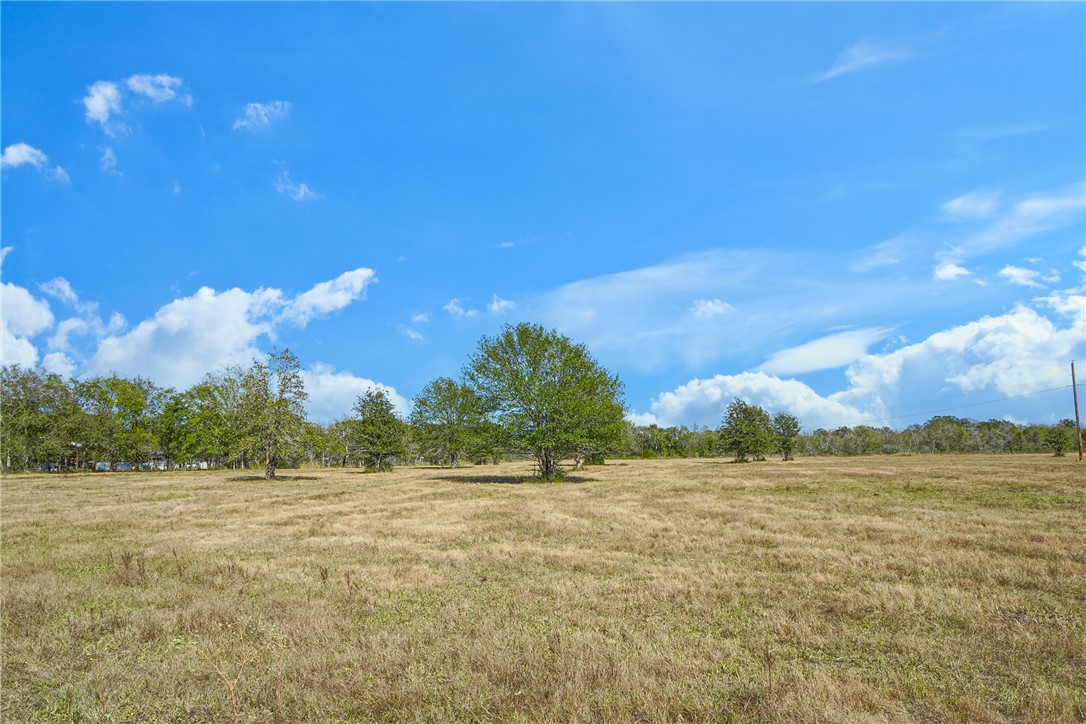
(987, 402)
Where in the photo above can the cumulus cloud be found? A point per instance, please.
(1022, 277)
(23, 154)
(500, 306)
(456, 309)
(105, 99)
(330, 296)
(287, 186)
(703, 401)
(996, 357)
(829, 352)
(333, 394)
(22, 316)
(194, 335)
(260, 115)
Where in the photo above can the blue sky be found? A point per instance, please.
(859, 213)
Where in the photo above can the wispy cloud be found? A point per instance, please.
(456, 309)
(260, 115)
(412, 334)
(108, 162)
(867, 54)
(159, 88)
(296, 190)
(420, 318)
(709, 308)
(829, 352)
(972, 206)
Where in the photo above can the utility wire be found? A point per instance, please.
(986, 402)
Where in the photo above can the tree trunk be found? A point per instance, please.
(269, 467)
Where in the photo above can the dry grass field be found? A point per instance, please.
(879, 589)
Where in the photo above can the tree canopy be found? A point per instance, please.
(547, 395)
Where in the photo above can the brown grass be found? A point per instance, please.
(882, 589)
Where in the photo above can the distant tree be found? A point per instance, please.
(272, 408)
(40, 419)
(1059, 439)
(448, 419)
(747, 431)
(547, 395)
(786, 430)
(379, 434)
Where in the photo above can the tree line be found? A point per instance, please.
(526, 392)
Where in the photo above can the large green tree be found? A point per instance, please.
(747, 431)
(448, 420)
(547, 395)
(272, 408)
(379, 434)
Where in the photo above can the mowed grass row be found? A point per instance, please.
(881, 588)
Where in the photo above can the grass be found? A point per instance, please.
(880, 588)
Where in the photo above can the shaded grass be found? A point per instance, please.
(945, 588)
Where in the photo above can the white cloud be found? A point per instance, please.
(500, 306)
(421, 318)
(1030, 217)
(191, 336)
(105, 99)
(412, 333)
(1014, 354)
(703, 401)
(260, 115)
(21, 317)
(60, 288)
(456, 309)
(949, 271)
(108, 162)
(709, 308)
(1080, 264)
(333, 394)
(295, 190)
(884, 254)
(330, 296)
(972, 206)
(22, 154)
(159, 88)
(866, 54)
(194, 335)
(59, 363)
(830, 352)
(102, 101)
(1022, 277)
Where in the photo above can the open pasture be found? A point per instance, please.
(876, 588)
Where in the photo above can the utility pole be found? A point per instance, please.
(1078, 422)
